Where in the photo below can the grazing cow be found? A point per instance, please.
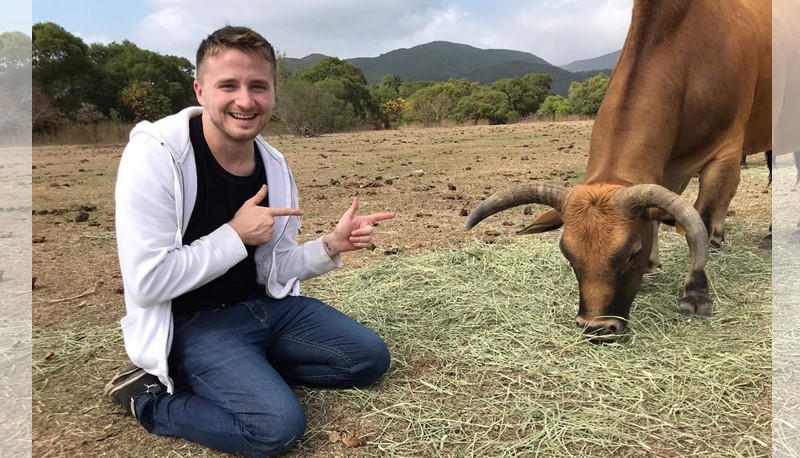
(691, 93)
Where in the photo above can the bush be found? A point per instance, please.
(555, 107)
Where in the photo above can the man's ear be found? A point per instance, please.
(198, 92)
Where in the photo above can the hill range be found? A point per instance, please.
(442, 60)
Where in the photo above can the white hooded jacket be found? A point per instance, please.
(155, 194)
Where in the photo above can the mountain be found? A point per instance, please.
(438, 61)
(442, 60)
(604, 62)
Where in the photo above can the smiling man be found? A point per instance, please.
(207, 219)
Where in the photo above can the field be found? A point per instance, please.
(486, 359)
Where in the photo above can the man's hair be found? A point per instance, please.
(240, 38)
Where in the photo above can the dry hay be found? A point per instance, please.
(487, 361)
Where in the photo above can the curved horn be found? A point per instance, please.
(546, 194)
(639, 197)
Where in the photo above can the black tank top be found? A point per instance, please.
(219, 195)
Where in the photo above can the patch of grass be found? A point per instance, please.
(487, 360)
(62, 349)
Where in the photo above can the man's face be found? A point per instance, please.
(238, 93)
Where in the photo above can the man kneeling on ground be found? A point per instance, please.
(207, 220)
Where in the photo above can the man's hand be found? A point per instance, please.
(353, 232)
(254, 223)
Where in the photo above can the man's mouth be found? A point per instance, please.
(243, 116)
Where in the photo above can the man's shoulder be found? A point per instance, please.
(171, 131)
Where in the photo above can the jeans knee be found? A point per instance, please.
(375, 363)
(277, 433)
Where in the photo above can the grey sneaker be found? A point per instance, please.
(127, 386)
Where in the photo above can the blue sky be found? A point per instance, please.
(560, 31)
(16, 16)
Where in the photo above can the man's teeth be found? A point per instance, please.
(240, 116)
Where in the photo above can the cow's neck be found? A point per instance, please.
(637, 126)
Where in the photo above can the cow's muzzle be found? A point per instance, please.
(602, 329)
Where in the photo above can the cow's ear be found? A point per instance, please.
(547, 221)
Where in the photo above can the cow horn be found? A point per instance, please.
(639, 197)
(546, 194)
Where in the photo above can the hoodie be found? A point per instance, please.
(155, 194)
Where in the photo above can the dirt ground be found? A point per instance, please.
(431, 177)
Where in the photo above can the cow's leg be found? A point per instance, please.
(653, 263)
(696, 300)
(718, 183)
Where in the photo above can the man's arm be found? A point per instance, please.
(155, 266)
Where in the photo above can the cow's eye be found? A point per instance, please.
(635, 254)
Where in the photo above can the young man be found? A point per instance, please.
(207, 218)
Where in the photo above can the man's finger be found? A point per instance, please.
(285, 211)
(353, 208)
(360, 239)
(367, 230)
(258, 198)
(378, 217)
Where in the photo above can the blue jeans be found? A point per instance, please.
(233, 368)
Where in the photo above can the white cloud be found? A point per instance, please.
(557, 30)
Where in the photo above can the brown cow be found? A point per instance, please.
(691, 93)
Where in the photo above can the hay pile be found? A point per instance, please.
(488, 361)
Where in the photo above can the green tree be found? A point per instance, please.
(350, 83)
(587, 96)
(144, 101)
(489, 104)
(386, 95)
(556, 107)
(121, 64)
(61, 66)
(309, 110)
(409, 88)
(435, 102)
(525, 93)
(430, 106)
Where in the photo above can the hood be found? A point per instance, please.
(172, 131)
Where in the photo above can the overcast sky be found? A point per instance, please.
(559, 31)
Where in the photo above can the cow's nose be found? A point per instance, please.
(602, 329)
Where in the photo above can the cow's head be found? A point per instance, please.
(607, 239)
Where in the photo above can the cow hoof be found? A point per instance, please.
(696, 305)
(715, 245)
(766, 243)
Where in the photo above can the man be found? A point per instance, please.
(207, 218)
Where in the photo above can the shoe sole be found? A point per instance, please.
(114, 385)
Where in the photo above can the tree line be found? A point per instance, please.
(78, 83)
